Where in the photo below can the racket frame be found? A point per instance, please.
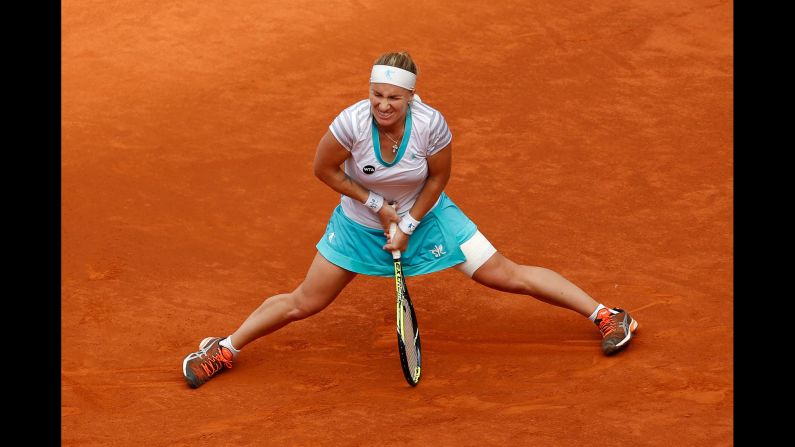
(402, 293)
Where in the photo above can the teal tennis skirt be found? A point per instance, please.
(435, 244)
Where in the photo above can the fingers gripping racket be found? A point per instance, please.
(408, 334)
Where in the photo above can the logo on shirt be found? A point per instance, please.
(369, 169)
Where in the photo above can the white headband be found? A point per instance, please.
(387, 74)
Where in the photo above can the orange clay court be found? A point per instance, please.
(591, 138)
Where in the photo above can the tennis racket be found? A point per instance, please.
(408, 334)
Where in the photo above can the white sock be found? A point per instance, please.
(598, 308)
(227, 343)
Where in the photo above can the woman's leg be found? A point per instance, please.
(323, 282)
(502, 274)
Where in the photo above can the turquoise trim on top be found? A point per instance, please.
(403, 143)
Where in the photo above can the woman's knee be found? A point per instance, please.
(503, 274)
(323, 282)
(304, 305)
(531, 278)
(500, 273)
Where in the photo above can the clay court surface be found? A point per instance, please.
(591, 138)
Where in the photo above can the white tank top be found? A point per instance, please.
(402, 180)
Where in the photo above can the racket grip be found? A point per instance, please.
(392, 230)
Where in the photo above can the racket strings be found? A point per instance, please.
(409, 339)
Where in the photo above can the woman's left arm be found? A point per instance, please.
(439, 165)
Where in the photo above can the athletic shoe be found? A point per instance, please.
(616, 328)
(209, 360)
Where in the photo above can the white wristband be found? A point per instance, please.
(374, 202)
(408, 224)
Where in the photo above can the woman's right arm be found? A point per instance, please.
(329, 156)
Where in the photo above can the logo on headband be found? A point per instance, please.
(393, 75)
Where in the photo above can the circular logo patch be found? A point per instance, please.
(369, 169)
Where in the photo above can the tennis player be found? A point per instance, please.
(396, 149)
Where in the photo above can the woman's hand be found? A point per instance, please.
(387, 215)
(399, 242)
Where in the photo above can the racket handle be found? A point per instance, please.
(392, 230)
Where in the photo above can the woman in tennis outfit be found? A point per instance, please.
(396, 150)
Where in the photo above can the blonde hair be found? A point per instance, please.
(399, 59)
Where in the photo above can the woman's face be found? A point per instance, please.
(389, 103)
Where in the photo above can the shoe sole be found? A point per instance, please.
(188, 378)
(633, 326)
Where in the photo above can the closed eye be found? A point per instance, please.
(393, 97)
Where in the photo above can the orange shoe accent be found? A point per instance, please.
(605, 322)
(215, 363)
